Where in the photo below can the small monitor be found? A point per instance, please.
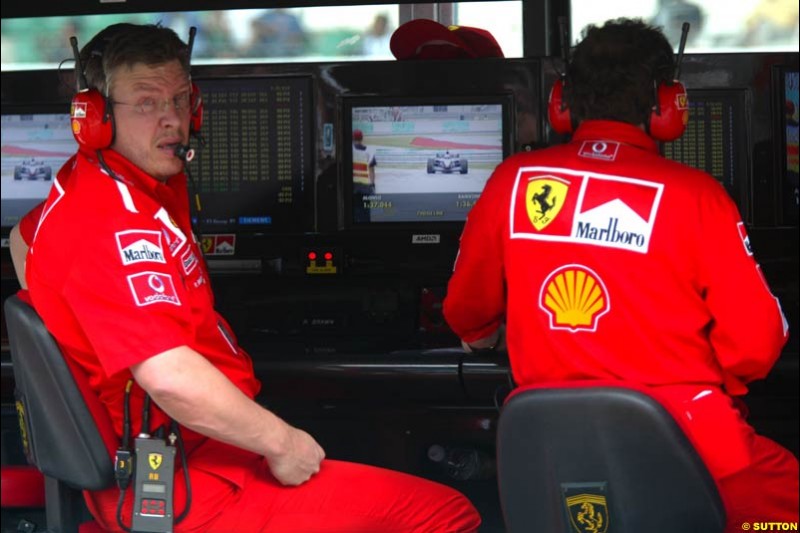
(787, 121)
(255, 171)
(35, 144)
(715, 140)
(420, 160)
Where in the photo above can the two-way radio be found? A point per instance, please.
(153, 479)
(151, 467)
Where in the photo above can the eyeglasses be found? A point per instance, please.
(150, 106)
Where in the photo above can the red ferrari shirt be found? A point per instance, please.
(29, 222)
(608, 261)
(117, 276)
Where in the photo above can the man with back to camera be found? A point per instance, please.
(610, 262)
(129, 297)
(363, 176)
(363, 165)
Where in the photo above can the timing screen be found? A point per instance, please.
(251, 170)
(429, 162)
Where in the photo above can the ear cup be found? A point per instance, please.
(557, 110)
(196, 105)
(92, 121)
(668, 122)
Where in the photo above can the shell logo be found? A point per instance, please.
(76, 127)
(575, 297)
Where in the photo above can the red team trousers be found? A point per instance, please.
(342, 498)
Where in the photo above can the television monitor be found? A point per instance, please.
(420, 160)
(716, 140)
(255, 171)
(36, 142)
(788, 119)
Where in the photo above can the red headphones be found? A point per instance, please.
(93, 119)
(91, 114)
(666, 123)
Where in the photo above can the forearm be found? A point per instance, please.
(19, 250)
(493, 342)
(197, 395)
(475, 303)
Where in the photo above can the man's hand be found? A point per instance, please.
(496, 342)
(299, 460)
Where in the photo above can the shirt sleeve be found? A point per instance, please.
(748, 328)
(130, 306)
(475, 303)
(28, 223)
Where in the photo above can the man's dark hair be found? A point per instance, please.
(126, 45)
(613, 69)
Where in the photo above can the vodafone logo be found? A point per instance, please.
(605, 150)
(153, 287)
(156, 283)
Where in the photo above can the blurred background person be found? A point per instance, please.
(376, 41)
(773, 22)
(277, 33)
(670, 16)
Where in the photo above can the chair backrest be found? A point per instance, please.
(600, 459)
(67, 433)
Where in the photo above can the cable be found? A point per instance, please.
(123, 462)
(119, 511)
(126, 415)
(145, 431)
(176, 429)
(197, 228)
(61, 72)
(105, 166)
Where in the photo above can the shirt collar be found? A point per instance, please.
(611, 130)
(135, 177)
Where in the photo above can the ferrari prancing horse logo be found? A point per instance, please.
(544, 198)
(588, 513)
(155, 460)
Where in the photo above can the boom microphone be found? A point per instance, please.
(184, 152)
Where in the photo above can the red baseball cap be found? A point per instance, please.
(427, 39)
(358, 135)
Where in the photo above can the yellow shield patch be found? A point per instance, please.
(588, 513)
(207, 244)
(575, 298)
(544, 198)
(23, 425)
(155, 460)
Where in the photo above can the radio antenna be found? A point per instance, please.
(681, 46)
(80, 77)
(563, 35)
(192, 32)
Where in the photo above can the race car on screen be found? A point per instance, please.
(447, 163)
(32, 169)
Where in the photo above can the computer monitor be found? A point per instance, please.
(36, 142)
(419, 161)
(787, 120)
(716, 140)
(255, 171)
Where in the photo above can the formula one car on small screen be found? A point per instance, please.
(32, 169)
(447, 163)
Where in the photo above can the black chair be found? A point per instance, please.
(602, 459)
(67, 433)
